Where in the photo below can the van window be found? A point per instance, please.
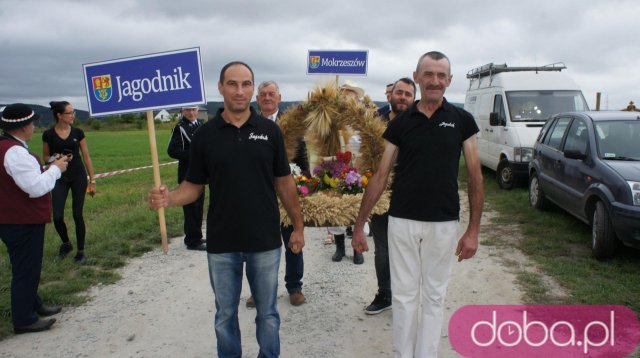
(498, 107)
(554, 139)
(541, 105)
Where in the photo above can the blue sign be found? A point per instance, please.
(337, 62)
(144, 83)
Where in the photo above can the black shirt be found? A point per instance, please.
(240, 165)
(57, 145)
(425, 187)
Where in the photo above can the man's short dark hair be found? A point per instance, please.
(233, 63)
(406, 80)
(434, 55)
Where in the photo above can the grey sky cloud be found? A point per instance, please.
(43, 44)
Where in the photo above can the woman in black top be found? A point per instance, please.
(63, 139)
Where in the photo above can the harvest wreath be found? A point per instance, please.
(326, 120)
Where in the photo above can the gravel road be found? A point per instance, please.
(163, 307)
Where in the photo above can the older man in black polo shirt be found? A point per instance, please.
(423, 147)
(241, 155)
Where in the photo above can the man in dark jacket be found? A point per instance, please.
(179, 149)
(268, 99)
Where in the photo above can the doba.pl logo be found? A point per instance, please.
(544, 331)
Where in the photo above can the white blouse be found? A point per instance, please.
(25, 171)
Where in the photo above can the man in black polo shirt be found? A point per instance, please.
(241, 156)
(424, 143)
(402, 94)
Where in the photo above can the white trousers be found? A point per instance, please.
(421, 256)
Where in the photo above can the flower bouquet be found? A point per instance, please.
(339, 176)
(332, 195)
(305, 184)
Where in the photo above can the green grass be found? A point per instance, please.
(118, 221)
(560, 245)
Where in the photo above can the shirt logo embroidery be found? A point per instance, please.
(445, 124)
(258, 136)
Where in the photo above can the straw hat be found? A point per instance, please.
(352, 86)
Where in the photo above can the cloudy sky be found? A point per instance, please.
(43, 44)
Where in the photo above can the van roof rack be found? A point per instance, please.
(491, 69)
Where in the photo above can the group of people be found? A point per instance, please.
(416, 242)
(32, 191)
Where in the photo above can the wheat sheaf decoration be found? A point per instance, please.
(322, 120)
(327, 115)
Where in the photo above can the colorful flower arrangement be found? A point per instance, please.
(304, 182)
(332, 176)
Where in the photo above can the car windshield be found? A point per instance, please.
(618, 140)
(538, 106)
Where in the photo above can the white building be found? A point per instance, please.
(163, 116)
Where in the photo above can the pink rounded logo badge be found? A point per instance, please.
(544, 331)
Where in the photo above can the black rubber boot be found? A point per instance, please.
(65, 249)
(358, 259)
(339, 239)
(80, 259)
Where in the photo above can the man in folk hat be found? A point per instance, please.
(24, 209)
(178, 148)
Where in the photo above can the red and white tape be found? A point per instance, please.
(124, 171)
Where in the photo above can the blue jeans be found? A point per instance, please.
(225, 273)
(294, 263)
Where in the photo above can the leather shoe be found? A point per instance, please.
(199, 247)
(46, 311)
(38, 326)
(251, 303)
(297, 298)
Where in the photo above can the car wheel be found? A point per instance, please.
(603, 238)
(537, 199)
(505, 176)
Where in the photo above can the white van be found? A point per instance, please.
(510, 105)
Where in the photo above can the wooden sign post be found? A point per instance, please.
(156, 178)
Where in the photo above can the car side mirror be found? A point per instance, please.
(495, 120)
(574, 154)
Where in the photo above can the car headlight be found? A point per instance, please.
(635, 192)
(523, 154)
